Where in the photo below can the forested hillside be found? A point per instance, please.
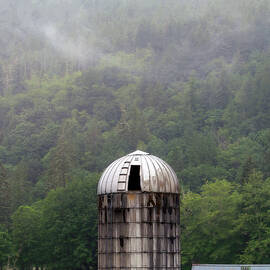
(84, 82)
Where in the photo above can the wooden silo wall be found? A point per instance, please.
(139, 231)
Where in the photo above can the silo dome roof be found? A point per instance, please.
(138, 171)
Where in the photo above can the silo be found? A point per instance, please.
(138, 201)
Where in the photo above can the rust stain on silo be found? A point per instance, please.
(131, 196)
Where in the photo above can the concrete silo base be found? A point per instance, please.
(139, 230)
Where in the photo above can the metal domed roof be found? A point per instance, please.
(154, 175)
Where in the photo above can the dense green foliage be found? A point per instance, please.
(85, 82)
(59, 232)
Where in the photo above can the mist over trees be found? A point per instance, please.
(84, 82)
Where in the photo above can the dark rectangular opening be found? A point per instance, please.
(134, 180)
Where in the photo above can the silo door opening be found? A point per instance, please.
(134, 180)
